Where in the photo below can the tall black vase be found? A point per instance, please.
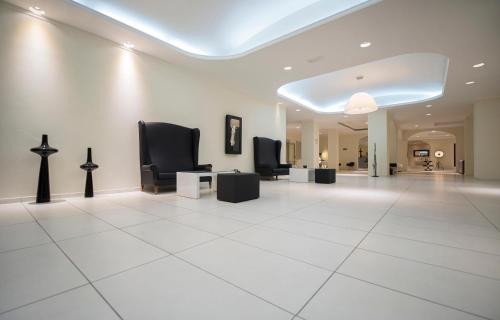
(89, 166)
(44, 151)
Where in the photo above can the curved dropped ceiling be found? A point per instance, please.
(395, 81)
(222, 29)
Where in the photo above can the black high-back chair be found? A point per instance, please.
(267, 158)
(165, 149)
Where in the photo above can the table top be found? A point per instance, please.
(309, 169)
(204, 173)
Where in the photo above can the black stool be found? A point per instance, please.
(324, 175)
(237, 187)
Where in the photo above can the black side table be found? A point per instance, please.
(325, 175)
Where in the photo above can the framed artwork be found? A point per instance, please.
(233, 134)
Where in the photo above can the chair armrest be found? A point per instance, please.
(285, 165)
(204, 167)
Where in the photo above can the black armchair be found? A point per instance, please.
(165, 149)
(267, 158)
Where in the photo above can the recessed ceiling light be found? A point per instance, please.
(297, 110)
(416, 126)
(479, 65)
(298, 127)
(37, 10)
(366, 122)
(287, 68)
(128, 45)
(470, 82)
(428, 106)
(433, 131)
(365, 44)
(427, 114)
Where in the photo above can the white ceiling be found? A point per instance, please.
(222, 28)
(464, 31)
(394, 81)
(431, 135)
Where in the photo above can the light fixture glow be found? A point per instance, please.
(365, 44)
(128, 45)
(428, 106)
(479, 65)
(297, 110)
(470, 82)
(37, 10)
(359, 103)
(427, 114)
(287, 68)
(416, 126)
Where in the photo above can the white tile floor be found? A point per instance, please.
(411, 247)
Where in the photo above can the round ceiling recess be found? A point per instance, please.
(360, 103)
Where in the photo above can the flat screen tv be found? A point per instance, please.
(421, 153)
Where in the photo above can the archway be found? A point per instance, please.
(363, 153)
(432, 151)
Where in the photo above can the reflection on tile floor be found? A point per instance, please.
(407, 247)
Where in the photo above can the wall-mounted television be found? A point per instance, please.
(421, 153)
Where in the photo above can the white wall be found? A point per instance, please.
(378, 132)
(445, 145)
(333, 149)
(310, 144)
(85, 91)
(486, 135)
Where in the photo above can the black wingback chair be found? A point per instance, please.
(165, 149)
(266, 154)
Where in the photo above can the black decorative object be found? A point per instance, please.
(375, 160)
(89, 166)
(233, 134)
(44, 151)
(323, 175)
(238, 187)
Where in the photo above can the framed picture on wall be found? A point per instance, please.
(233, 134)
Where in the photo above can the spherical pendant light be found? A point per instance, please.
(359, 103)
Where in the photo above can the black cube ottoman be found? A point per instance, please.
(237, 187)
(324, 175)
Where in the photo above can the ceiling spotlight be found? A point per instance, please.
(428, 106)
(427, 114)
(470, 82)
(479, 65)
(128, 45)
(298, 127)
(365, 44)
(416, 126)
(433, 131)
(366, 122)
(287, 68)
(297, 110)
(37, 10)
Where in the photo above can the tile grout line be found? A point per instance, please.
(74, 264)
(435, 243)
(430, 264)
(479, 211)
(352, 251)
(415, 296)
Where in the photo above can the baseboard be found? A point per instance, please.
(67, 195)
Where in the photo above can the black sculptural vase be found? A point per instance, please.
(89, 166)
(44, 151)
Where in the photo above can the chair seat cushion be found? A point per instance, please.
(281, 171)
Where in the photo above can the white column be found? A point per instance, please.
(333, 149)
(469, 146)
(378, 133)
(310, 144)
(486, 133)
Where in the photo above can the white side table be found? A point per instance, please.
(301, 174)
(188, 183)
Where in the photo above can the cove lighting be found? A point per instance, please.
(407, 79)
(479, 65)
(128, 45)
(365, 44)
(37, 10)
(241, 27)
(470, 82)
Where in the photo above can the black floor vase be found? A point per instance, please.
(89, 166)
(44, 151)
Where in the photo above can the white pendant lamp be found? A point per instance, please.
(359, 103)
